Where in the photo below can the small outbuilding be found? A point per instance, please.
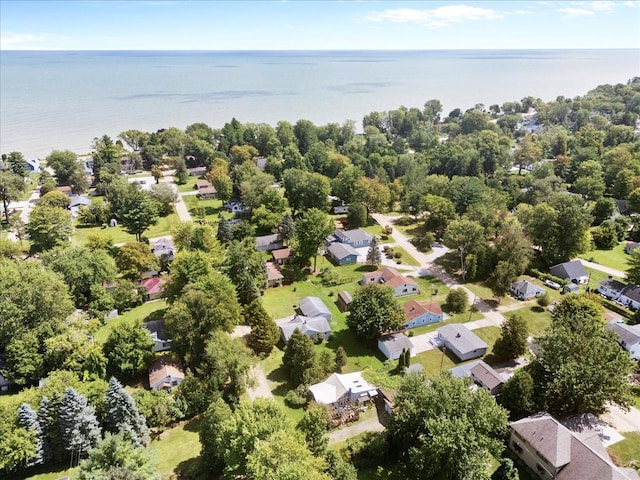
(394, 344)
(154, 288)
(274, 275)
(344, 301)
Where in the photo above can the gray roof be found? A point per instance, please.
(351, 236)
(461, 338)
(632, 292)
(526, 288)
(626, 333)
(486, 375)
(268, 240)
(156, 329)
(78, 200)
(341, 250)
(396, 342)
(314, 307)
(307, 325)
(612, 284)
(162, 246)
(345, 297)
(569, 270)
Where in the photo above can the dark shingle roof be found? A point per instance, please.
(569, 270)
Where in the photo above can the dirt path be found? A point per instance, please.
(261, 388)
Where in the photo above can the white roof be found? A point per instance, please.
(314, 307)
(338, 384)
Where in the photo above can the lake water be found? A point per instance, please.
(62, 100)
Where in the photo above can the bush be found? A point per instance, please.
(397, 254)
(544, 300)
(456, 301)
(387, 230)
(297, 397)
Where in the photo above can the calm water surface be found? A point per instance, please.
(62, 100)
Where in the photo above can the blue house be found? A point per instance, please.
(421, 313)
(342, 254)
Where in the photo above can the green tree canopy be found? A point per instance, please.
(129, 349)
(48, 227)
(311, 229)
(374, 310)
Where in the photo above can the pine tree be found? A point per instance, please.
(299, 357)
(374, 257)
(27, 418)
(264, 331)
(45, 422)
(122, 414)
(287, 228)
(78, 423)
(341, 358)
(224, 230)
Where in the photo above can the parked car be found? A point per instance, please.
(552, 284)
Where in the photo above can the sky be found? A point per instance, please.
(316, 25)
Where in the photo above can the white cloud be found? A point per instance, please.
(437, 17)
(522, 12)
(602, 6)
(632, 3)
(576, 12)
(11, 40)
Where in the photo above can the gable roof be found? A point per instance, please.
(629, 334)
(389, 276)
(353, 236)
(163, 367)
(305, 325)
(202, 184)
(612, 284)
(568, 270)
(281, 254)
(162, 246)
(338, 384)
(526, 288)
(341, 250)
(486, 375)
(266, 240)
(273, 274)
(414, 308)
(395, 342)
(314, 307)
(156, 329)
(78, 200)
(345, 297)
(461, 338)
(153, 285)
(632, 292)
(575, 456)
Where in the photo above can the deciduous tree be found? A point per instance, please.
(129, 349)
(512, 342)
(374, 311)
(264, 331)
(48, 227)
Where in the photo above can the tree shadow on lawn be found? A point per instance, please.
(191, 469)
(365, 268)
(193, 425)
(155, 315)
(355, 347)
(279, 376)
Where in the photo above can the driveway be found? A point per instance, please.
(24, 214)
(181, 208)
(602, 268)
(368, 425)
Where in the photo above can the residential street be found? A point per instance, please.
(602, 268)
(24, 215)
(181, 208)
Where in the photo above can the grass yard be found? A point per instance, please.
(190, 186)
(405, 257)
(177, 448)
(614, 258)
(207, 209)
(463, 317)
(164, 227)
(537, 320)
(595, 277)
(489, 335)
(54, 473)
(626, 450)
(141, 312)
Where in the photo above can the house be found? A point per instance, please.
(630, 297)
(206, 192)
(572, 272)
(400, 284)
(33, 166)
(154, 288)
(281, 256)
(200, 184)
(162, 343)
(66, 190)
(344, 301)
(421, 313)
(394, 344)
(554, 452)
(261, 163)
(463, 342)
(314, 307)
(611, 288)
(76, 202)
(631, 246)
(342, 254)
(197, 171)
(356, 238)
(235, 206)
(481, 374)
(165, 373)
(274, 276)
(628, 337)
(309, 326)
(164, 246)
(338, 206)
(525, 290)
(343, 389)
(266, 243)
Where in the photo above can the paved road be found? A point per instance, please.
(181, 208)
(623, 421)
(24, 215)
(602, 268)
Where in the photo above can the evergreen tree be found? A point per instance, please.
(374, 257)
(287, 228)
(341, 358)
(27, 418)
(299, 357)
(224, 230)
(122, 414)
(264, 331)
(45, 422)
(78, 423)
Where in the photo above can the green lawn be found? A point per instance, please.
(209, 209)
(141, 312)
(30, 185)
(56, 473)
(189, 186)
(118, 235)
(627, 450)
(177, 448)
(405, 257)
(537, 319)
(614, 258)
(489, 335)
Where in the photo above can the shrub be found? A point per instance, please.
(544, 300)
(397, 254)
(456, 301)
(297, 397)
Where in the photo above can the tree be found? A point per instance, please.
(441, 211)
(106, 158)
(372, 194)
(338, 467)
(116, 458)
(212, 450)
(129, 349)
(181, 173)
(264, 331)
(311, 229)
(122, 415)
(457, 301)
(445, 430)
(341, 358)
(81, 269)
(17, 164)
(506, 471)
(305, 190)
(17, 444)
(313, 426)
(224, 187)
(48, 227)
(134, 258)
(65, 164)
(28, 419)
(78, 424)
(138, 213)
(465, 236)
(633, 272)
(374, 310)
(582, 368)
(224, 230)
(357, 215)
(156, 172)
(246, 269)
(11, 188)
(527, 152)
(374, 257)
(55, 199)
(165, 197)
(25, 361)
(287, 228)
(283, 455)
(518, 395)
(512, 342)
(299, 358)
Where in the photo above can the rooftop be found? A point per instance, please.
(461, 338)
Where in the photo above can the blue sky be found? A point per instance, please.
(320, 25)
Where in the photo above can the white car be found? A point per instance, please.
(552, 284)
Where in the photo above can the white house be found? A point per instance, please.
(400, 284)
(573, 272)
(392, 345)
(463, 342)
(628, 337)
(525, 290)
(309, 326)
(343, 389)
(610, 288)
